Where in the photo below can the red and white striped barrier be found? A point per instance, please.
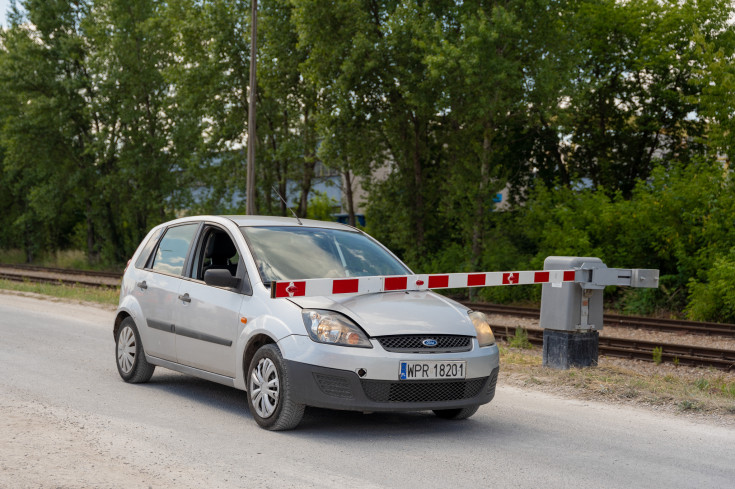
(367, 285)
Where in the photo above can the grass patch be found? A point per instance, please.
(717, 385)
(630, 393)
(12, 257)
(107, 296)
(517, 358)
(687, 405)
(708, 392)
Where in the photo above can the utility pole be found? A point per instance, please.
(250, 184)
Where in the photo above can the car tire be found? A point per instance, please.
(130, 355)
(269, 391)
(456, 414)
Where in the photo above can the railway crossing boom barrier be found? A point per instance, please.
(571, 298)
(571, 313)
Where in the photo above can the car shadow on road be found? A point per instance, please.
(327, 423)
(201, 391)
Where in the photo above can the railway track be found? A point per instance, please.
(644, 350)
(635, 322)
(636, 349)
(617, 347)
(24, 273)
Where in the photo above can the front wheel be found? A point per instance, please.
(131, 362)
(269, 392)
(461, 413)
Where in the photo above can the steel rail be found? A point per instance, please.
(65, 271)
(29, 273)
(80, 280)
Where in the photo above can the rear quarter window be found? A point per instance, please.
(145, 253)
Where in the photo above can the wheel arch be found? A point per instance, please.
(121, 316)
(253, 345)
(128, 308)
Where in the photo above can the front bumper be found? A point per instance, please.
(379, 363)
(344, 389)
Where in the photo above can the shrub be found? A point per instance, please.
(713, 299)
(520, 339)
(658, 353)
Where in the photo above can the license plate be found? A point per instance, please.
(432, 369)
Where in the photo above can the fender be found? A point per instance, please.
(130, 306)
(268, 325)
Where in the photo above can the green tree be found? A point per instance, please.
(288, 110)
(211, 86)
(715, 78)
(631, 100)
(369, 60)
(479, 46)
(346, 66)
(47, 169)
(142, 177)
(212, 82)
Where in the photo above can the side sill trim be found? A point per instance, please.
(160, 325)
(170, 328)
(202, 336)
(184, 369)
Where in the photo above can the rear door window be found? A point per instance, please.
(173, 249)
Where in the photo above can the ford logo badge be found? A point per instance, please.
(429, 342)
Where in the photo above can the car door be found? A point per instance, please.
(207, 318)
(157, 287)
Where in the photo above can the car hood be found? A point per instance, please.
(397, 313)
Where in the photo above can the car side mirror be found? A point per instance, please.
(220, 278)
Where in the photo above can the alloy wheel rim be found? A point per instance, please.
(126, 350)
(264, 388)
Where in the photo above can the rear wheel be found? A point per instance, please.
(460, 413)
(131, 362)
(269, 392)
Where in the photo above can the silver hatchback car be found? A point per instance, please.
(199, 297)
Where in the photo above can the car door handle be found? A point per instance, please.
(142, 285)
(185, 297)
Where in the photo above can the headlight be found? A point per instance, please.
(334, 328)
(485, 334)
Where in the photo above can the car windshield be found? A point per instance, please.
(291, 253)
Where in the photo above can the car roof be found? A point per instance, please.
(285, 222)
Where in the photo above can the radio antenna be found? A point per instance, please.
(287, 206)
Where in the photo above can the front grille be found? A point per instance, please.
(431, 391)
(413, 343)
(334, 386)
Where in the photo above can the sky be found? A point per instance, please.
(4, 6)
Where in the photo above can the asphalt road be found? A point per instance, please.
(68, 420)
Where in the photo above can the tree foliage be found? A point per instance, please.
(608, 125)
